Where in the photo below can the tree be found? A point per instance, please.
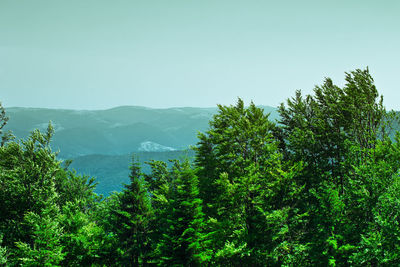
(133, 218)
(246, 188)
(41, 204)
(379, 245)
(83, 238)
(44, 248)
(27, 180)
(182, 235)
(236, 138)
(318, 129)
(3, 118)
(335, 132)
(3, 121)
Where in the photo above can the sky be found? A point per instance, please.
(98, 54)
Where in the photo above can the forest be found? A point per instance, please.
(318, 187)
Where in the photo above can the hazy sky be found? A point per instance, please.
(94, 54)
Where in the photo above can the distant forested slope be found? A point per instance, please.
(116, 131)
(112, 171)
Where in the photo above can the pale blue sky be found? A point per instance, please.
(94, 54)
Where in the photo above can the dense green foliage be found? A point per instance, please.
(320, 187)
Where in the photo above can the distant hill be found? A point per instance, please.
(116, 131)
(100, 142)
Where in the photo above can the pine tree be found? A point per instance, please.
(182, 238)
(133, 218)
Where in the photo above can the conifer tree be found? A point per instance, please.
(133, 219)
(182, 241)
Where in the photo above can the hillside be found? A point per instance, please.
(115, 131)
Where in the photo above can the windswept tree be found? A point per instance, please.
(335, 132)
(320, 128)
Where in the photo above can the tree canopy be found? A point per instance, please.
(318, 187)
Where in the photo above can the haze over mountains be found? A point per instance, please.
(100, 142)
(114, 131)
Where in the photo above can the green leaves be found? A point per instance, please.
(341, 136)
(45, 209)
(244, 185)
(380, 244)
(45, 248)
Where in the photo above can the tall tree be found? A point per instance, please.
(41, 204)
(133, 217)
(318, 129)
(236, 138)
(333, 131)
(181, 242)
(27, 176)
(246, 188)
